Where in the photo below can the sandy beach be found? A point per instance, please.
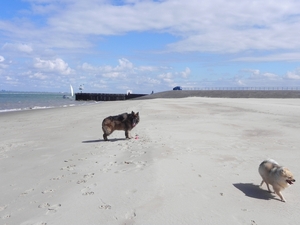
(194, 161)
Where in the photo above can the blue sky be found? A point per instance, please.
(143, 45)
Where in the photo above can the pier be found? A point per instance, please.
(105, 96)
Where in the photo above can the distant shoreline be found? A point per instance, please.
(225, 94)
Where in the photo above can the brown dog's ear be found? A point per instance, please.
(137, 113)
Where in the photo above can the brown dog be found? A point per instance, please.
(279, 177)
(125, 121)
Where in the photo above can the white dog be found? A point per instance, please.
(277, 176)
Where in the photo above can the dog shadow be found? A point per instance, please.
(101, 140)
(254, 191)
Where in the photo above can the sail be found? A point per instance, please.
(72, 92)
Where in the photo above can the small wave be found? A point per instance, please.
(41, 107)
(24, 109)
(9, 110)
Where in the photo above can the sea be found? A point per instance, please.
(17, 101)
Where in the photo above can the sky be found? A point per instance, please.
(112, 46)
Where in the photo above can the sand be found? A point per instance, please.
(194, 161)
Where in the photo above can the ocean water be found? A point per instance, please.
(16, 101)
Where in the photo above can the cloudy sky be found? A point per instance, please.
(148, 45)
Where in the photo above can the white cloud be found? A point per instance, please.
(113, 74)
(107, 71)
(186, 73)
(170, 77)
(86, 66)
(18, 47)
(240, 83)
(127, 74)
(147, 68)
(167, 78)
(38, 75)
(289, 57)
(257, 74)
(3, 65)
(153, 81)
(232, 26)
(123, 69)
(124, 64)
(270, 75)
(294, 75)
(56, 65)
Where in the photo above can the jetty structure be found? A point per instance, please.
(105, 96)
(275, 92)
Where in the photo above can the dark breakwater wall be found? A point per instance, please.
(226, 94)
(105, 97)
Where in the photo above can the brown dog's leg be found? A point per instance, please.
(107, 128)
(105, 137)
(127, 134)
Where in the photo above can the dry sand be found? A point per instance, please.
(195, 162)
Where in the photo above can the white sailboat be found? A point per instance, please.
(72, 93)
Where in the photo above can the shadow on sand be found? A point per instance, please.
(101, 140)
(254, 191)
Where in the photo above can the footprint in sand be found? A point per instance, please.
(108, 166)
(104, 207)
(89, 175)
(82, 159)
(85, 178)
(44, 205)
(132, 166)
(57, 178)
(136, 153)
(3, 207)
(51, 208)
(68, 168)
(82, 181)
(27, 192)
(48, 191)
(140, 164)
(6, 216)
(130, 215)
(87, 191)
(68, 160)
(3, 156)
(105, 170)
